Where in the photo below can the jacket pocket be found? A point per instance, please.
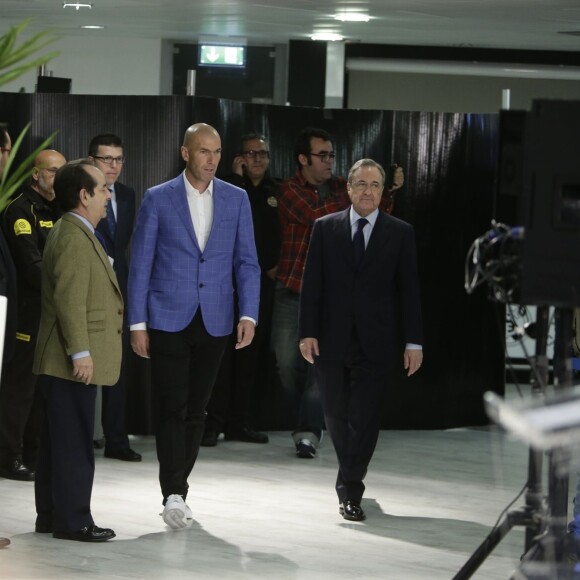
(95, 320)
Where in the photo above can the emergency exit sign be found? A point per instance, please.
(221, 55)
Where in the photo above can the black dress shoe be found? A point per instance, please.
(209, 439)
(247, 435)
(88, 534)
(126, 454)
(17, 470)
(352, 511)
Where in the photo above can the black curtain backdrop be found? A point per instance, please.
(449, 162)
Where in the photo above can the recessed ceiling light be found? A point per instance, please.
(76, 5)
(352, 17)
(328, 36)
(93, 27)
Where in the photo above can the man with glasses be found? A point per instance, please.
(360, 292)
(108, 154)
(228, 408)
(313, 192)
(26, 223)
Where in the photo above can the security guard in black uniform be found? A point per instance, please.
(26, 223)
(228, 410)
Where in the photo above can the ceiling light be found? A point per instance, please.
(76, 5)
(93, 27)
(352, 17)
(327, 36)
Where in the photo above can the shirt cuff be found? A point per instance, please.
(138, 326)
(411, 346)
(81, 354)
(248, 318)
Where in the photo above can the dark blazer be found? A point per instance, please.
(119, 245)
(381, 300)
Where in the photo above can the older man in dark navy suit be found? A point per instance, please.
(360, 285)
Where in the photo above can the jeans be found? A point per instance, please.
(296, 374)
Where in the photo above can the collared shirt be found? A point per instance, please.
(300, 204)
(368, 228)
(201, 210)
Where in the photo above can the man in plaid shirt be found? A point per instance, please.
(313, 192)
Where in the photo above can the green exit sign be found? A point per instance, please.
(222, 55)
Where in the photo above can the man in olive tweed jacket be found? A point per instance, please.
(79, 345)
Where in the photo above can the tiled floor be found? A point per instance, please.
(260, 512)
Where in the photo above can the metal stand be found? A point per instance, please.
(545, 523)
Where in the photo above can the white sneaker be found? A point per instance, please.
(174, 512)
(188, 513)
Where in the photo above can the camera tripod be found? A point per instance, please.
(545, 520)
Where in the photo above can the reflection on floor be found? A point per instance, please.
(260, 512)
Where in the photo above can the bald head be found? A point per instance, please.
(197, 131)
(46, 164)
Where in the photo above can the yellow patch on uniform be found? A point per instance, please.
(272, 201)
(22, 226)
(24, 337)
(48, 224)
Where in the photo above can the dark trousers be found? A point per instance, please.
(20, 407)
(184, 366)
(114, 405)
(66, 461)
(229, 405)
(352, 393)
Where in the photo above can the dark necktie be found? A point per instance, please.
(111, 220)
(359, 241)
(99, 237)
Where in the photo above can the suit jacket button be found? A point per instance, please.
(201, 285)
(201, 260)
(120, 331)
(120, 311)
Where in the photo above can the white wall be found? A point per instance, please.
(105, 66)
(450, 93)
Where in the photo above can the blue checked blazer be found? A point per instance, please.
(170, 278)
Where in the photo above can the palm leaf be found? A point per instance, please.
(11, 55)
(11, 182)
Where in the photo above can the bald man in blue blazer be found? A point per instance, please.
(193, 235)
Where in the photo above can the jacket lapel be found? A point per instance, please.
(379, 238)
(98, 247)
(179, 201)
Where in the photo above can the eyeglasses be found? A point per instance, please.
(51, 170)
(324, 156)
(362, 186)
(263, 154)
(109, 160)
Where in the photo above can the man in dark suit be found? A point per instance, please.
(193, 234)
(7, 277)
(359, 286)
(78, 347)
(108, 154)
